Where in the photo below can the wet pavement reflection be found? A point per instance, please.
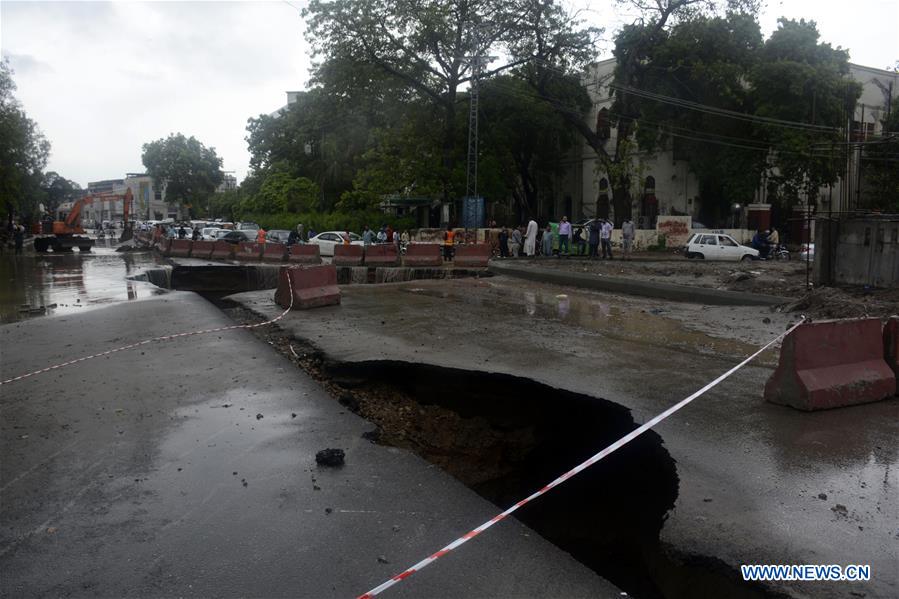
(35, 285)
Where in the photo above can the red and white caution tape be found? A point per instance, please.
(580, 467)
(153, 340)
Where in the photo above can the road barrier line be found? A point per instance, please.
(577, 469)
(153, 340)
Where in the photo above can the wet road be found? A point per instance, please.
(39, 284)
(759, 483)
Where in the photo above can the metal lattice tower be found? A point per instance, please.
(477, 62)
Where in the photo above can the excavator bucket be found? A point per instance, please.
(127, 233)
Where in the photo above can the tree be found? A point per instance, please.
(805, 85)
(281, 192)
(23, 152)
(189, 170)
(696, 71)
(58, 189)
(422, 44)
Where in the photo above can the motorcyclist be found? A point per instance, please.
(760, 243)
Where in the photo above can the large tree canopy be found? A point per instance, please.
(189, 170)
(23, 152)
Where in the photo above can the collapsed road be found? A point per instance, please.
(501, 383)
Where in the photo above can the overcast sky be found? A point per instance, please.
(101, 79)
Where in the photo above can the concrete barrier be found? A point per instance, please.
(313, 286)
(423, 254)
(222, 250)
(831, 364)
(202, 249)
(273, 252)
(347, 255)
(304, 253)
(382, 254)
(891, 346)
(472, 255)
(164, 245)
(180, 248)
(248, 251)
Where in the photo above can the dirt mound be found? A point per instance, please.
(832, 302)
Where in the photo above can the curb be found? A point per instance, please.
(667, 291)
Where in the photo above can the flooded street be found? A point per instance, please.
(45, 284)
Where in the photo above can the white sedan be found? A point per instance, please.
(716, 246)
(328, 239)
(209, 233)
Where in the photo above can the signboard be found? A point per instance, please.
(472, 212)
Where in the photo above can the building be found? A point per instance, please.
(149, 199)
(104, 210)
(229, 183)
(667, 185)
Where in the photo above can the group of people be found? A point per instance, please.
(385, 234)
(591, 239)
(16, 232)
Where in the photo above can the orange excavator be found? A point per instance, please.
(69, 234)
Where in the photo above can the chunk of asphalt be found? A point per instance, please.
(333, 458)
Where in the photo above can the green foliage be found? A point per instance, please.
(58, 189)
(799, 79)
(23, 153)
(189, 170)
(282, 192)
(225, 205)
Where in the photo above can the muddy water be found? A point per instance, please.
(35, 285)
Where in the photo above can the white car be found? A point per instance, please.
(717, 246)
(209, 233)
(328, 239)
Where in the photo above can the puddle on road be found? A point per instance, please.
(30, 285)
(614, 318)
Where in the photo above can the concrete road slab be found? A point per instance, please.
(187, 468)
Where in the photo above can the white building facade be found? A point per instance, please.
(667, 186)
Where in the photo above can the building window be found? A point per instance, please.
(603, 127)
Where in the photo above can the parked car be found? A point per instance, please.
(807, 251)
(247, 226)
(220, 233)
(236, 237)
(328, 239)
(716, 246)
(209, 233)
(277, 236)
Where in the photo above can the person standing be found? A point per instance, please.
(196, 235)
(605, 237)
(294, 236)
(449, 238)
(504, 243)
(530, 239)
(19, 238)
(594, 230)
(367, 236)
(404, 239)
(627, 237)
(579, 242)
(260, 235)
(515, 242)
(547, 244)
(564, 235)
(182, 232)
(300, 233)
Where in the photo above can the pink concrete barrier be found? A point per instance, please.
(313, 286)
(891, 345)
(347, 255)
(304, 253)
(382, 254)
(831, 364)
(202, 249)
(472, 255)
(180, 248)
(423, 254)
(248, 251)
(222, 250)
(273, 252)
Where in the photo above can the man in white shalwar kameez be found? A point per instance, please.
(530, 239)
